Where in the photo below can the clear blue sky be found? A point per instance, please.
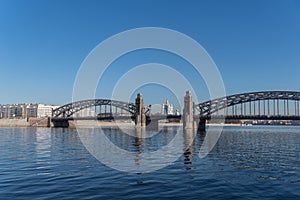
(255, 44)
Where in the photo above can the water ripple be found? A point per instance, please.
(248, 163)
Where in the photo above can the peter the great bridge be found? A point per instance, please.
(267, 105)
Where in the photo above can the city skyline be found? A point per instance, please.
(37, 110)
(255, 44)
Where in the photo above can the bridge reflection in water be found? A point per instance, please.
(267, 105)
(141, 142)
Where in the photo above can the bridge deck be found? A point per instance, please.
(251, 117)
(117, 117)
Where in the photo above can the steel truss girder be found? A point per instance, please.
(210, 107)
(71, 108)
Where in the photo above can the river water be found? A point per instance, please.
(246, 163)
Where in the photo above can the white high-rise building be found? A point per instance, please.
(45, 110)
(167, 108)
(87, 112)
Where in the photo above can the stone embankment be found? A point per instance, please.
(31, 122)
(45, 122)
(14, 123)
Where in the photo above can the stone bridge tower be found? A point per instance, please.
(140, 117)
(188, 111)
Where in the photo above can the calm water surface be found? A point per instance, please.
(247, 163)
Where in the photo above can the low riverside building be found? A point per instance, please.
(18, 111)
(4, 111)
(31, 111)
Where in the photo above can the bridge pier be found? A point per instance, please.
(188, 111)
(196, 123)
(60, 123)
(48, 122)
(153, 125)
(140, 116)
(202, 125)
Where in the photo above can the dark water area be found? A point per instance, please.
(246, 163)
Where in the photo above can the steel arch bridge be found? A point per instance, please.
(70, 109)
(266, 103)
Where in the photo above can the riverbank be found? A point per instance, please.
(14, 123)
(35, 122)
(31, 122)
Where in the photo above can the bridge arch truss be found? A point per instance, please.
(255, 103)
(70, 109)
